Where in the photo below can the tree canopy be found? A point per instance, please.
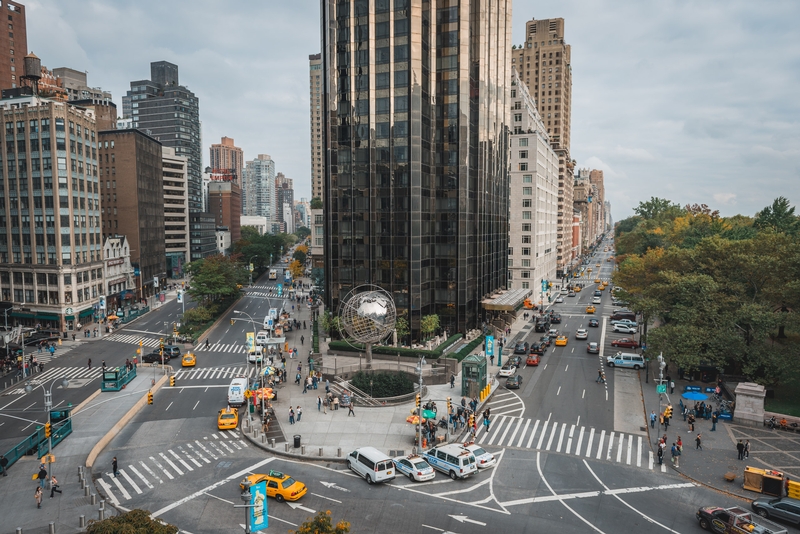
(216, 277)
(725, 290)
(133, 522)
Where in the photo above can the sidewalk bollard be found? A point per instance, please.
(83, 484)
(100, 514)
(302, 449)
(52, 527)
(102, 504)
(255, 433)
(273, 442)
(339, 452)
(93, 499)
(19, 530)
(86, 491)
(82, 521)
(263, 438)
(286, 448)
(320, 451)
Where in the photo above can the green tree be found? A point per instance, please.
(215, 277)
(133, 522)
(428, 325)
(655, 208)
(402, 328)
(316, 203)
(322, 524)
(302, 233)
(778, 217)
(300, 256)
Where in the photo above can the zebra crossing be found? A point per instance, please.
(616, 447)
(70, 373)
(134, 340)
(505, 402)
(210, 373)
(143, 475)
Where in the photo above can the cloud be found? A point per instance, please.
(726, 199)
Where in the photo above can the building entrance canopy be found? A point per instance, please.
(507, 301)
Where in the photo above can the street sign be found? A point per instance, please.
(280, 289)
(251, 340)
(661, 388)
(490, 345)
(258, 510)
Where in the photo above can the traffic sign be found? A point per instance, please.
(661, 388)
(258, 507)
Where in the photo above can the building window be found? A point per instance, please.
(523, 154)
(517, 117)
(526, 285)
(525, 274)
(526, 215)
(523, 142)
(526, 203)
(526, 227)
(526, 263)
(527, 178)
(526, 251)
(510, 262)
(527, 190)
(523, 166)
(526, 239)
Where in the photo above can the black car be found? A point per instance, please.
(521, 348)
(594, 323)
(155, 357)
(555, 318)
(545, 340)
(513, 382)
(516, 361)
(538, 348)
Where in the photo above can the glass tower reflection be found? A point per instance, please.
(416, 170)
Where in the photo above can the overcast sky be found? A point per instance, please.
(692, 101)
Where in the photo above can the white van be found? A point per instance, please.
(262, 337)
(255, 356)
(452, 460)
(371, 464)
(236, 392)
(625, 359)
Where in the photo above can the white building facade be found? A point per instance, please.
(533, 203)
(117, 268)
(176, 210)
(258, 188)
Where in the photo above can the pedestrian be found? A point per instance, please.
(42, 476)
(4, 465)
(73, 336)
(491, 359)
(327, 386)
(714, 422)
(691, 422)
(671, 387)
(452, 381)
(54, 486)
(325, 402)
(302, 339)
(666, 421)
(299, 413)
(104, 366)
(653, 419)
(486, 422)
(685, 412)
(747, 449)
(600, 376)
(135, 362)
(350, 408)
(90, 363)
(660, 454)
(699, 443)
(291, 415)
(319, 403)
(680, 444)
(676, 456)
(115, 467)
(305, 385)
(38, 496)
(740, 450)
(207, 344)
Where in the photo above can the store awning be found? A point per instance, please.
(48, 316)
(21, 315)
(508, 300)
(69, 317)
(86, 313)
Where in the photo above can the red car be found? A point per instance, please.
(626, 342)
(533, 359)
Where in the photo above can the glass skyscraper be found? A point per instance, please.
(416, 119)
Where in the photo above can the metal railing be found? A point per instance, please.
(379, 365)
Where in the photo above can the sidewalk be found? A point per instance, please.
(93, 423)
(718, 455)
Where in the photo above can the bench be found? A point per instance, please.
(729, 476)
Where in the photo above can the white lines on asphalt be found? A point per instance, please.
(234, 476)
(559, 391)
(569, 441)
(561, 437)
(619, 447)
(583, 394)
(107, 488)
(120, 487)
(522, 436)
(650, 460)
(544, 431)
(172, 465)
(324, 497)
(187, 466)
(138, 474)
(206, 460)
(561, 500)
(630, 450)
(545, 367)
(638, 451)
(130, 481)
(167, 408)
(195, 405)
(588, 443)
(144, 466)
(218, 498)
(276, 519)
(614, 493)
(600, 445)
(226, 446)
(166, 472)
(566, 368)
(552, 435)
(530, 440)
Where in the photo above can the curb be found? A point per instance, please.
(294, 456)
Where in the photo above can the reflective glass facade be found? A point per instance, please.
(415, 133)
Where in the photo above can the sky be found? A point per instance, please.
(695, 102)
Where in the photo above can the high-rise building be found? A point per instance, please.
(76, 85)
(596, 178)
(258, 188)
(176, 211)
(14, 45)
(416, 123)
(532, 240)
(225, 204)
(315, 113)
(51, 257)
(132, 195)
(170, 113)
(229, 157)
(284, 195)
(203, 239)
(544, 64)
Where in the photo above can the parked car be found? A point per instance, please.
(521, 347)
(155, 357)
(414, 467)
(538, 348)
(786, 509)
(553, 333)
(514, 382)
(508, 370)
(593, 348)
(626, 342)
(623, 329)
(555, 318)
(581, 333)
(533, 359)
(483, 458)
(514, 360)
(625, 322)
(545, 340)
(594, 323)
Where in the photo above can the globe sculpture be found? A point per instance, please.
(368, 315)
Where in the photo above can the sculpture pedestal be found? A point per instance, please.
(749, 403)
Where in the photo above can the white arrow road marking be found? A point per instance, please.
(296, 505)
(463, 519)
(334, 486)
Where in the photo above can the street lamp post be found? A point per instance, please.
(249, 263)
(419, 408)
(248, 361)
(48, 405)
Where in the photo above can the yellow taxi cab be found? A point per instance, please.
(280, 486)
(576, 289)
(188, 360)
(601, 287)
(597, 265)
(228, 418)
(610, 258)
(590, 309)
(561, 341)
(597, 281)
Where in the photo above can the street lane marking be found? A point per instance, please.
(195, 405)
(197, 453)
(219, 498)
(108, 491)
(226, 446)
(578, 445)
(544, 431)
(561, 500)
(144, 466)
(167, 408)
(589, 443)
(566, 368)
(619, 447)
(569, 441)
(164, 469)
(650, 460)
(533, 434)
(120, 487)
(552, 436)
(213, 445)
(600, 445)
(630, 446)
(175, 467)
(561, 437)
(130, 481)
(524, 430)
(139, 474)
(187, 466)
(324, 497)
(610, 446)
(234, 476)
(559, 390)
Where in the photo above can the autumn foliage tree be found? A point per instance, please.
(322, 524)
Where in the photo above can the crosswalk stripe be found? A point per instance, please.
(206, 451)
(610, 446)
(638, 451)
(144, 466)
(138, 474)
(162, 468)
(243, 444)
(213, 445)
(541, 436)
(619, 447)
(569, 440)
(189, 456)
(600, 444)
(589, 443)
(524, 430)
(630, 447)
(650, 460)
(120, 487)
(578, 445)
(226, 446)
(109, 493)
(172, 465)
(552, 436)
(197, 453)
(533, 434)
(516, 429)
(561, 437)
(187, 466)
(130, 481)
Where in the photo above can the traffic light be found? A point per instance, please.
(472, 419)
(161, 343)
(668, 411)
(231, 322)
(416, 400)
(47, 430)
(149, 397)
(172, 381)
(449, 405)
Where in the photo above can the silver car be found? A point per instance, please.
(786, 509)
(624, 329)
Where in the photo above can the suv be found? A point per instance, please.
(174, 351)
(538, 348)
(521, 347)
(155, 357)
(555, 318)
(787, 509)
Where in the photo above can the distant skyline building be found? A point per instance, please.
(226, 155)
(170, 113)
(14, 45)
(225, 204)
(416, 124)
(544, 64)
(315, 114)
(284, 194)
(176, 211)
(258, 188)
(76, 84)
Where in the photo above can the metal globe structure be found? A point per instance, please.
(368, 315)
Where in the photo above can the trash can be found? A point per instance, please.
(297, 441)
